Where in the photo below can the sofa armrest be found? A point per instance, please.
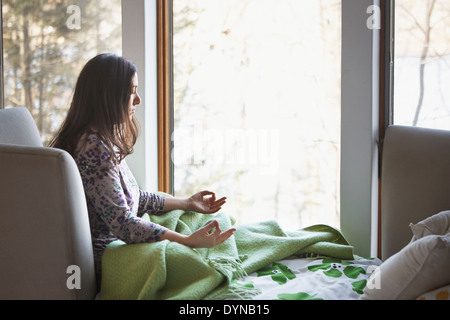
(44, 225)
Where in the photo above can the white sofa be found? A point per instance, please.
(44, 228)
(415, 216)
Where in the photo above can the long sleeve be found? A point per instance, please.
(150, 203)
(114, 198)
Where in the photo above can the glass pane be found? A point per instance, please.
(257, 107)
(46, 43)
(422, 63)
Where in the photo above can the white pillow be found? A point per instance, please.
(438, 224)
(421, 266)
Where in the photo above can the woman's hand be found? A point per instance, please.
(202, 202)
(204, 237)
(205, 202)
(207, 238)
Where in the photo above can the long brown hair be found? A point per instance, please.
(100, 103)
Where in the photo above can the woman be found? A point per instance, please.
(99, 131)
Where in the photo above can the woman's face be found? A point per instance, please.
(135, 99)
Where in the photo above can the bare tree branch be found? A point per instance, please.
(423, 60)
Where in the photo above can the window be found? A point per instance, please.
(257, 107)
(422, 63)
(45, 45)
(357, 141)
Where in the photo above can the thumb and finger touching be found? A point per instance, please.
(211, 235)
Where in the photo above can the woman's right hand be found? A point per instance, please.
(204, 237)
(207, 238)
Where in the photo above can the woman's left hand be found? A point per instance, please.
(205, 202)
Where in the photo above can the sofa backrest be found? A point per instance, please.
(415, 182)
(46, 249)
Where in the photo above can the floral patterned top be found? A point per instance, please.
(115, 202)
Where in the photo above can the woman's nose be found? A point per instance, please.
(137, 99)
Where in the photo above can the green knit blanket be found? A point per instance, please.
(169, 270)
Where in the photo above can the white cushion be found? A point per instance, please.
(421, 266)
(438, 224)
(18, 127)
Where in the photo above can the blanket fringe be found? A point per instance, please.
(230, 268)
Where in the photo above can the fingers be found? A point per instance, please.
(215, 207)
(206, 193)
(210, 204)
(210, 226)
(225, 235)
(212, 199)
(217, 237)
(221, 201)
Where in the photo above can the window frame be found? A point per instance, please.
(387, 56)
(386, 90)
(147, 23)
(366, 213)
(165, 95)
